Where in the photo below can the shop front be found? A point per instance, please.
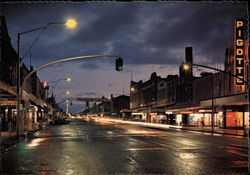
(232, 113)
(139, 116)
(234, 119)
(8, 115)
(236, 116)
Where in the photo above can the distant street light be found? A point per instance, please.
(186, 66)
(68, 79)
(70, 24)
(56, 82)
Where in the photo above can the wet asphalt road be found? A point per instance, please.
(109, 148)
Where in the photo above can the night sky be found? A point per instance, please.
(150, 36)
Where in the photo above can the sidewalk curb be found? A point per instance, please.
(215, 132)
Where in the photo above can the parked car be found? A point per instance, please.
(65, 120)
(58, 121)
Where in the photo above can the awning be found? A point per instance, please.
(8, 103)
(8, 88)
(238, 99)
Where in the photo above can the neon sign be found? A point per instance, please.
(239, 50)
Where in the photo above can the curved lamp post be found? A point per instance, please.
(188, 66)
(70, 24)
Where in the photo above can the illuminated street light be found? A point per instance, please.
(68, 79)
(56, 82)
(186, 66)
(71, 23)
(132, 89)
(67, 92)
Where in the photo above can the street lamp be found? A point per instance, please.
(186, 66)
(56, 82)
(70, 24)
(68, 79)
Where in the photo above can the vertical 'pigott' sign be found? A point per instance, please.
(239, 50)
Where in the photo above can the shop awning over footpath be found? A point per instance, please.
(232, 100)
(7, 95)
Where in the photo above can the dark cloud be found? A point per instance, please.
(89, 66)
(204, 26)
(110, 85)
(143, 33)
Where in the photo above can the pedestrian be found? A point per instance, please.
(202, 122)
(14, 122)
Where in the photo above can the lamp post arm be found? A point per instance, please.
(64, 60)
(198, 65)
(56, 81)
(40, 28)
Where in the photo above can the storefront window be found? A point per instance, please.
(234, 119)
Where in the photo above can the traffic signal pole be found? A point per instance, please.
(119, 64)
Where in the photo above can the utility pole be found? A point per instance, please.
(19, 117)
(212, 122)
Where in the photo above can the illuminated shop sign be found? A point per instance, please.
(239, 50)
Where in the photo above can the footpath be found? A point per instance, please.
(216, 130)
(8, 139)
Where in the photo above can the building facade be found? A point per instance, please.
(213, 99)
(118, 103)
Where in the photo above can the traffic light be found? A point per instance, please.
(119, 64)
